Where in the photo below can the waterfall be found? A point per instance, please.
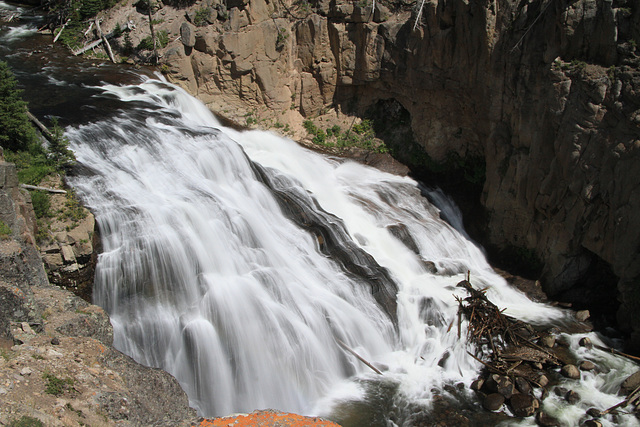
(237, 260)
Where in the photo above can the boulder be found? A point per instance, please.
(188, 34)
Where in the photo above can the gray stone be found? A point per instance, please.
(188, 34)
(630, 383)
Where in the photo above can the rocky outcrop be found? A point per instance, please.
(536, 102)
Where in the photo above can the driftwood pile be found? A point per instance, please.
(522, 364)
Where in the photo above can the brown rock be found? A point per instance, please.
(500, 384)
(572, 397)
(630, 383)
(587, 365)
(524, 405)
(493, 401)
(570, 371)
(523, 385)
(546, 420)
(582, 315)
(548, 341)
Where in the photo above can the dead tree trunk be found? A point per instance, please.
(153, 33)
(107, 47)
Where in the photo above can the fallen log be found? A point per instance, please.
(360, 358)
(93, 44)
(45, 131)
(49, 190)
(616, 352)
(55, 39)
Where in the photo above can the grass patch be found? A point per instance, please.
(5, 230)
(57, 386)
(26, 421)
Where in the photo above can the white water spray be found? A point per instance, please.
(204, 276)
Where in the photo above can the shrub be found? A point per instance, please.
(56, 386)
(41, 204)
(202, 17)
(162, 40)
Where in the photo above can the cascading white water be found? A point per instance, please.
(204, 275)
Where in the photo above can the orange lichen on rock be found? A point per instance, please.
(266, 418)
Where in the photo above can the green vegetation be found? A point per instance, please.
(16, 132)
(78, 11)
(360, 135)
(5, 230)
(162, 40)
(202, 17)
(26, 421)
(57, 386)
(281, 38)
(41, 204)
(250, 119)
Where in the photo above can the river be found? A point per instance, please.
(239, 261)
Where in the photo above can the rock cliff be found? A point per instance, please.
(536, 102)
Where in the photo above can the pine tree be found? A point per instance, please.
(16, 131)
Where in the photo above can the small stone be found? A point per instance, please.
(587, 365)
(524, 405)
(560, 391)
(523, 385)
(572, 397)
(543, 380)
(55, 341)
(26, 371)
(52, 354)
(594, 412)
(592, 423)
(546, 420)
(585, 342)
(582, 315)
(493, 402)
(477, 384)
(548, 341)
(570, 371)
(26, 328)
